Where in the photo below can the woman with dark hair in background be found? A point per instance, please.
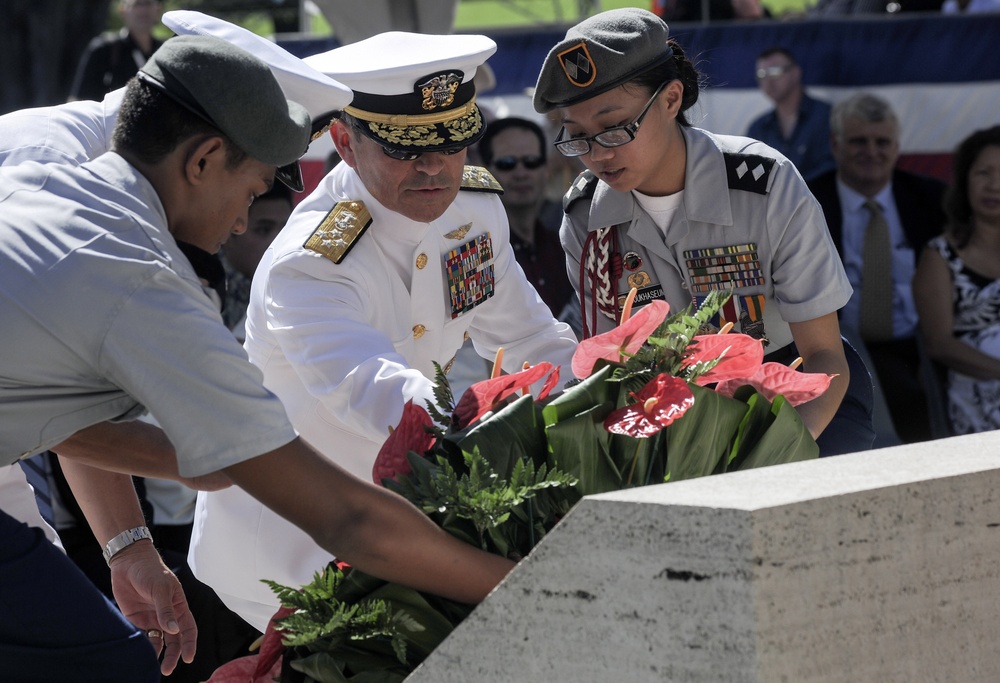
(683, 212)
(957, 287)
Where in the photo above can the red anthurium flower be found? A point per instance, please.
(664, 399)
(410, 435)
(485, 396)
(741, 356)
(261, 667)
(626, 338)
(244, 670)
(772, 379)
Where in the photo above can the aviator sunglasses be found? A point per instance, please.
(509, 163)
(406, 155)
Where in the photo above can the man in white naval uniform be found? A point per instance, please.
(399, 254)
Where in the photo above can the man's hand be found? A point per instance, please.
(151, 597)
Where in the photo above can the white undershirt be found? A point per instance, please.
(660, 209)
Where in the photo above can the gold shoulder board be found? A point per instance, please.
(339, 230)
(478, 179)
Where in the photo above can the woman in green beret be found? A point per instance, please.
(676, 212)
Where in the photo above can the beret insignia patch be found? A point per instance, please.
(578, 65)
(339, 230)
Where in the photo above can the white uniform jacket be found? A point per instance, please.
(747, 221)
(345, 345)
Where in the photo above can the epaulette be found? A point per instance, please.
(339, 230)
(583, 186)
(478, 179)
(748, 172)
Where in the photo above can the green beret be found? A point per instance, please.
(601, 53)
(236, 93)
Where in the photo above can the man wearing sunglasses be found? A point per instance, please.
(799, 125)
(514, 151)
(400, 253)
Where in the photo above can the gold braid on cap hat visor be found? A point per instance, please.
(420, 130)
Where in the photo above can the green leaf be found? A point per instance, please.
(513, 434)
(582, 397)
(320, 667)
(755, 424)
(422, 626)
(581, 447)
(786, 439)
(697, 441)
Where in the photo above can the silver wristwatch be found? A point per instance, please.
(124, 540)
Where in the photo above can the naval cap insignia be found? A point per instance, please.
(439, 90)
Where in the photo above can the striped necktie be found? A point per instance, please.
(876, 278)
(36, 471)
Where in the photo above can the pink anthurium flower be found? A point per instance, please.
(741, 356)
(409, 435)
(550, 383)
(664, 399)
(485, 396)
(772, 379)
(624, 339)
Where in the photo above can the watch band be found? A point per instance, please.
(124, 540)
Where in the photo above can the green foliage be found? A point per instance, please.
(444, 402)
(322, 624)
(665, 349)
(485, 501)
(505, 481)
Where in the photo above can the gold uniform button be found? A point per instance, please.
(418, 331)
(421, 261)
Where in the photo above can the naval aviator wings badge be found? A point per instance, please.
(459, 233)
(339, 230)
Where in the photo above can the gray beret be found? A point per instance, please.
(601, 53)
(235, 92)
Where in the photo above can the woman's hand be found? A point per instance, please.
(822, 350)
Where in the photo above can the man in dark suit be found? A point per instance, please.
(867, 189)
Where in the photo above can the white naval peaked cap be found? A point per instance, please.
(317, 92)
(415, 91)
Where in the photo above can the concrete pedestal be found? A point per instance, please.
(873, 567)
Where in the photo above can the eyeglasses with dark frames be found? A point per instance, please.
(510, 162)
(611, 137)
